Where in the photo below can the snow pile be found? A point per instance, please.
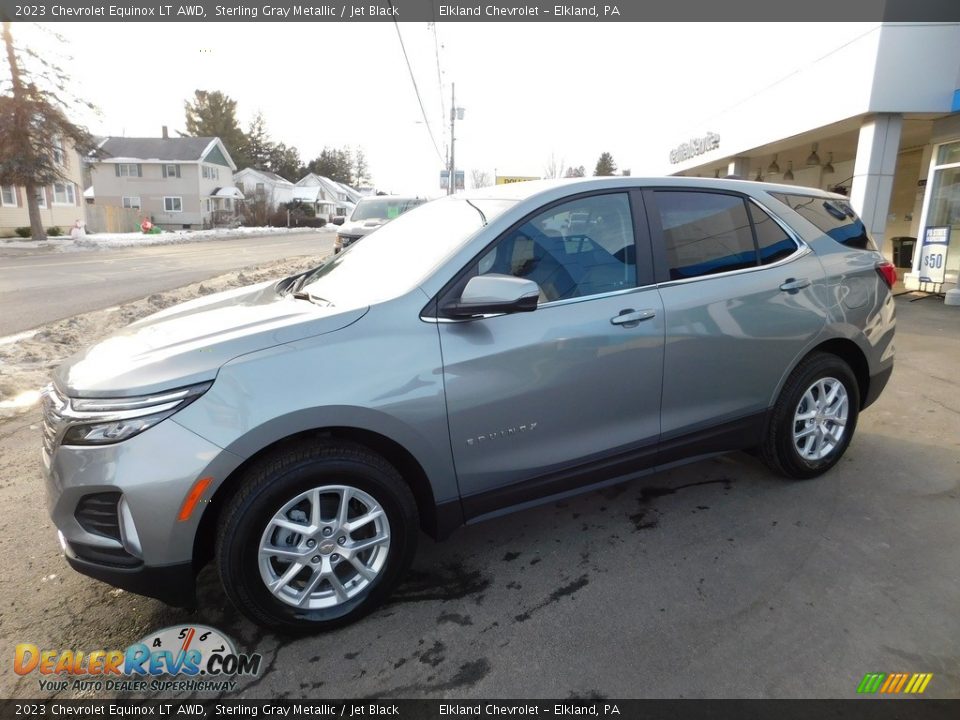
(94, 241)
(27, 358)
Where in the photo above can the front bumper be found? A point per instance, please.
(173, 584)
(116, 507)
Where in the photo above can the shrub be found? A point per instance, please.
(310, 222)
(54, 231)
(24, 232)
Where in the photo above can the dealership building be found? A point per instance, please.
(877, 119)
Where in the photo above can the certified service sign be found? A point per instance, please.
(933, 255)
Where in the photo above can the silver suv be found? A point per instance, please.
(476, 355)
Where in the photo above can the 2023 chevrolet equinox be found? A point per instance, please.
(477, 354)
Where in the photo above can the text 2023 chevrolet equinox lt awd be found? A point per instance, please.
(478, 353)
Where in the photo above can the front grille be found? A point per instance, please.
(113, 557)
(97, 514)
(53, 405)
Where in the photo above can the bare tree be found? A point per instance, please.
(554, 168)
(479, 178)
(573, 172)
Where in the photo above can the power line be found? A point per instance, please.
(423, 110)
(436, 53)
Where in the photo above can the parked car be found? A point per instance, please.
(467, 359)
(369, 214)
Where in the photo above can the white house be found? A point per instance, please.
(264, 184)
(344, 197)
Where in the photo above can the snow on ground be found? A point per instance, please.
(94, 241)
(28, 358)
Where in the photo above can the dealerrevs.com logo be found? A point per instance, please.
(184, 658)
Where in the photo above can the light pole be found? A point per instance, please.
(456, 113)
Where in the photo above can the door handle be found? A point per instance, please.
(631, 317)
(794, 284)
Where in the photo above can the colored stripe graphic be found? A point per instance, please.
(893, 683)
(870, 683)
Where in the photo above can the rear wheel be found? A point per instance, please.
(319, 535)
(814, 418)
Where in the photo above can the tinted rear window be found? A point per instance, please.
(705, 233)
(832, 216)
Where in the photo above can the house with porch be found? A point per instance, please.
(178, 183)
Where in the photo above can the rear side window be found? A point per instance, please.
(832, 216)
(773, 243)
(705, 233)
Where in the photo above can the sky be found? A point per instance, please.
(530, 91)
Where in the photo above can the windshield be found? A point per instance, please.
(400, 256)
(384, 208)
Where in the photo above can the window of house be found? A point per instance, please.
(41, 195)
(8, 196)
(261, 188)
(211, 173)
(705, 233)
(128, 170)
(772, 240)
(171, 171)
(64, 194)
(58, 155)
(209, 205)
(131, 202)
(173, 204)
(580, 248)
(228, 203)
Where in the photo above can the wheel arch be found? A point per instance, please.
(845, 349)
(436, 519)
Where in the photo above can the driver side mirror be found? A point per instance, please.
(494, 295)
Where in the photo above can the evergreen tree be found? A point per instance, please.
(336, 164)
(285, 162)
(211, 113)
(605, 165)
(258, 148)
(35, 132)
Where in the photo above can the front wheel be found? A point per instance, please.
(814, 418)
(319, 535)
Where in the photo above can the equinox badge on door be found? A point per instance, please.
(500, 434)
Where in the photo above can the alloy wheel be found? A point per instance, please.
(324, 547)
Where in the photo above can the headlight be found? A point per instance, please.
(102, 421)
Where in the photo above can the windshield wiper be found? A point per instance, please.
(303, 295)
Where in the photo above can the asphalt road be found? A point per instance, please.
(41, 287)
(717, 579)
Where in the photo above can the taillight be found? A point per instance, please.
(888, 272)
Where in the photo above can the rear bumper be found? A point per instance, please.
(877, 383)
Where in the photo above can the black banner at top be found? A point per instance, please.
(479, 11)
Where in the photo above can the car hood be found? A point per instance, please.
(188, 343)
(361, 227)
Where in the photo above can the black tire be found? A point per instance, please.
(276, 480)
(778, 448)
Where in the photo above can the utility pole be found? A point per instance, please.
(456, 113)
(452, 180)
